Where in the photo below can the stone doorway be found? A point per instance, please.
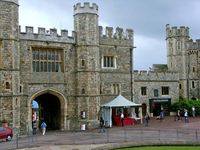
(49, 110)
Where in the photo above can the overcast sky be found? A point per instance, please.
(146, 17)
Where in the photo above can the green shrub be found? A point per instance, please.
(186, 104)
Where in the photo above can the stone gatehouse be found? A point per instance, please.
(71, 76)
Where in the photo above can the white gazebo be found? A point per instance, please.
(118, 102)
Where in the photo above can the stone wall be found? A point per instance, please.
(83, 84)
(155, 81)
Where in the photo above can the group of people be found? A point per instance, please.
(185, 114)
(102, 123)
(35, 127)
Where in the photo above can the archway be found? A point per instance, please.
(50, 108)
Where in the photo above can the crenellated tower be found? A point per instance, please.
(193, 55)
(176, 47)
(9, 62)
(177, 61)
(87, 51)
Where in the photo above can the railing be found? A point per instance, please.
(111, 135)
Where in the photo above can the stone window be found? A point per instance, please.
(7, 85)
(16, 102)
(109, 62)
(115, 88)
(83, 91)
(180, 86)
(155, 92)
(193, 84)
(20, 88)
(47, 59)
(143, 91)
(165, 90)
(179, 45)
(82, 63)
(193, 69)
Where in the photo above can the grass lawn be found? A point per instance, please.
(163, 148)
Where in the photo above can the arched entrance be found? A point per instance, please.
(50, 109)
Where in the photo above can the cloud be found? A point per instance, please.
(149, 51)
(146, 17)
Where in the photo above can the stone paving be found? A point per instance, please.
(121, 136)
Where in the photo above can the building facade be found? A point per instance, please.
(68, 76)
(183, 57)
(71, 76)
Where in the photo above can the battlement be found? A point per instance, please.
(119, 37)
(193, 45)
(119, 33)
(86, 8)
(13, 1)
(175, 31)
(144, 75)
(46, 35)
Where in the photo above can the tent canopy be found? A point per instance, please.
(120, 101)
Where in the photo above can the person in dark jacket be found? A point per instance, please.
(101, 124)
(35, 126)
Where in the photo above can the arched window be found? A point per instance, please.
(7, 85)
(193, 69)
(82, 63)
(83, 91)
(193, 84)
(20, 88)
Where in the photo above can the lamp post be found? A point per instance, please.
(131, 71)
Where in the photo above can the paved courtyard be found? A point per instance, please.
(157, 132)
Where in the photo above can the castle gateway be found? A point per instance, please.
(69, 77)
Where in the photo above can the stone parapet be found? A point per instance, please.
(119, 37)
(118, 34)
(47, 35)
(13, 1)
(86, 8)
(194, 44)
(175, 31)
(155, 76)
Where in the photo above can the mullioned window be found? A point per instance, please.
(47, 60)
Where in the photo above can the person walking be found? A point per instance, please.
(186, 116)
(35, 126)
(122, 119)
(101, 125)
(43, 126)
(178, 115)
(146, 120)
(161, 115)
(193, 111)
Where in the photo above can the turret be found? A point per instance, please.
(176, 40)
(9, 61)
(9, 34)
(176, 32)
(177, 55)
(87, 50)
(86, 24)
(9, 19)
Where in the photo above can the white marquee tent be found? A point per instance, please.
(119, 101)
